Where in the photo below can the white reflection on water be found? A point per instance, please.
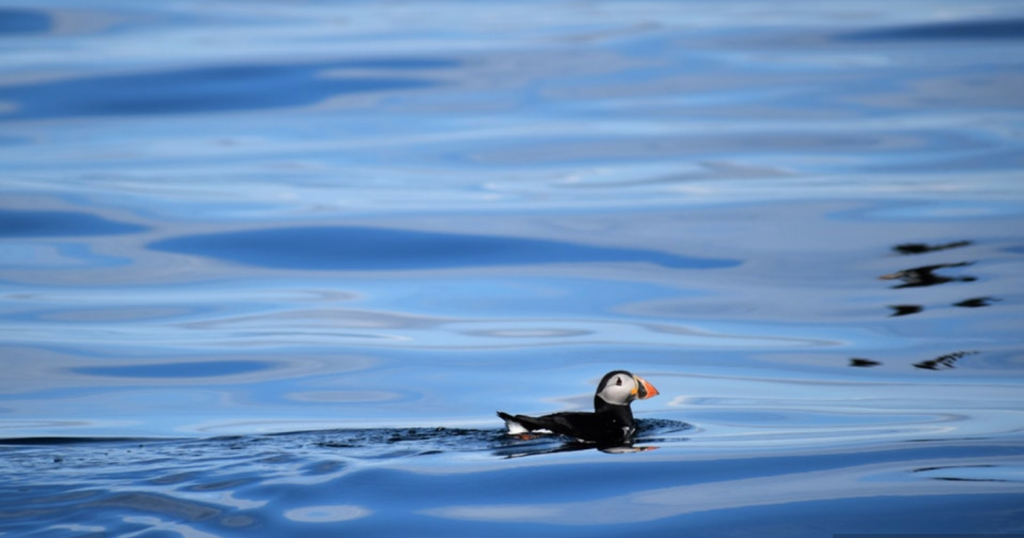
(327, 513)
(158, 524)
(887, 479)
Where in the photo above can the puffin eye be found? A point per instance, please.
(618, 381)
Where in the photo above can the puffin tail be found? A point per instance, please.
(515, 427)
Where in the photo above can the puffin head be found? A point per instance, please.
(621, 388)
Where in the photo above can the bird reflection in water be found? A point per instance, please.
(944, 362)
(649, 433)
(976, 302)
(519, 451)
(905, 309)
(926, 276)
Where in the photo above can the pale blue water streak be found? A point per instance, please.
(339, 221)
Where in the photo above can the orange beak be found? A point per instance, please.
(645, 390)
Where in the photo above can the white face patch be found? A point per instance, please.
(619, 390)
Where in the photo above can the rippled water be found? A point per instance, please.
(271, 267)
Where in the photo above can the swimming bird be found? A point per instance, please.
(611, 423)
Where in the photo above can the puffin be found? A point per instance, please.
(611, 423)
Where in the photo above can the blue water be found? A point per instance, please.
(270, 268)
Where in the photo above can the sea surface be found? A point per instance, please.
(269, 268)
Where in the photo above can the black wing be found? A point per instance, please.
(593, 427)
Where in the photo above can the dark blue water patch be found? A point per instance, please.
(945, 31)
(14, 223)
(20, 22)
(374, 249)
(177, 369)
(207, 89)
(1014, 250)
(963, 516)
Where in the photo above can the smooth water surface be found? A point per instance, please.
(272, 267)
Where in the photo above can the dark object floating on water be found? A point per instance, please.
(905, 309)
(921, 248)
(380, 249)
(611, 423)
(925, 276)
(863, 363)
(976, 302)
(944, 362)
